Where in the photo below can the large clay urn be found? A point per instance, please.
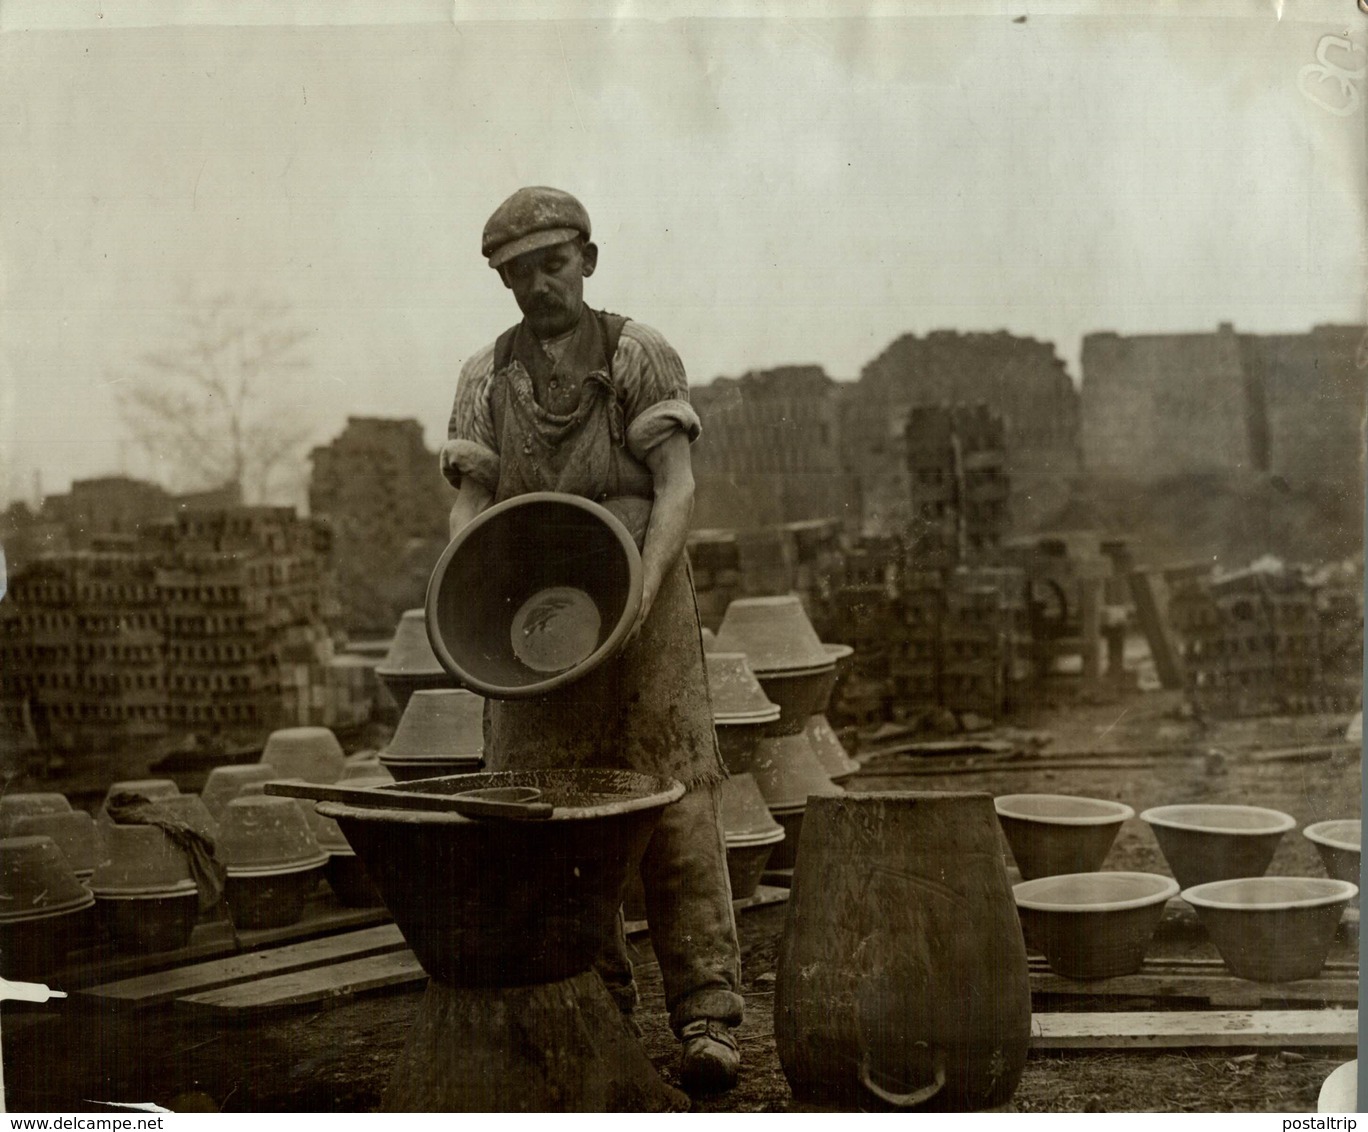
(902, 976)
(441, 732)
(742, 713)
(410, 664)
(793, 667)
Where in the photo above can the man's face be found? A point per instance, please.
(549, 285)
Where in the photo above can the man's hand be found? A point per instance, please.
(672, 475)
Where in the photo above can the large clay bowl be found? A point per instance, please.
(344, 872)
(16, 806)
(788, 773)
(74, 832)
(784, 855)
(841, 657)
(148, 922)
(745, 814)
(226, 782)
(270, 899)
(1272, 929)
(747, 859)
(800, 694)
(410, 665)
(140, 860)
(1204, 842)
(311, 754)
(775, 634)
(491, 902)
(1054, 834)
(1338, 843)
(1093, 925)
(440, 733)
(734, 692)
(533, 594)
(267, 834)
(829, 749)
(44, 909)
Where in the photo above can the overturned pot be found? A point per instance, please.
(272, 859)
(440, 733)
(410, 665)
(44, 909)
(145, 897)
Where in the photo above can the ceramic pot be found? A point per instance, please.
(226, 782)
(44, 909)
(274, 899)
(75, 834)
(533, 594)
(788, 773)
(148, 923)
(800, 694)
(745, 813)
(1339, 844)
(410, 664)
(784, 855)
(312, 754)
(841, 657)
(16, 806)
(1272, 929)
(267, 834)
(1093, 925)
(1054, 834)
(1205, 842)
(829, 749)
(491, 902)
(366, 770)
(440, 733)
(146, 900)
(747, 859)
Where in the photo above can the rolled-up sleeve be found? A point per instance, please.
(472, 448)
(655, 389)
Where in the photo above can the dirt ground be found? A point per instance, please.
(63, 1057)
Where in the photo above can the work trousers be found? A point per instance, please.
(689, 909)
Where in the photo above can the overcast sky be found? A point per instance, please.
(763, 191)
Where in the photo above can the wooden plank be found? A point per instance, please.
(313, 987)
(1183, 1029)
(323, 916)
(1218, 989)
(162, 986)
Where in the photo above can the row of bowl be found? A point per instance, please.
(1095, 924)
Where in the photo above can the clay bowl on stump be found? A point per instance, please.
(1272, 929)
(1054, 834)
(440, 733)
(311, 754)
(75, 833)
(145, 897)
(226, 782)
(1205, 842)
(411, 665)
(1093, 925)
(16, 806)
(742, 713)
(507, 914)
(794, 668)
(272, 859)
(44, 909)
(534, 593)
(344, 872)
(1339, 844)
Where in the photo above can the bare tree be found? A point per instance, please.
(207, 410)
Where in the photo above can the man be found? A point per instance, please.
(585, 402)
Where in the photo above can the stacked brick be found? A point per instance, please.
(1252, 644)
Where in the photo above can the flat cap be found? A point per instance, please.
(534, 217)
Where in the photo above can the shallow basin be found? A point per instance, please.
(1052, 834)
(491, 902)
(1093, 925)
(1338, 843)
(1205, 842)
(1272, 929)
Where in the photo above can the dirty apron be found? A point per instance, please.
(646, 709)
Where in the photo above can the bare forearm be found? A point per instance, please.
(471, 499)
(671, 512)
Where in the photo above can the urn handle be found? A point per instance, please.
(904, 1100)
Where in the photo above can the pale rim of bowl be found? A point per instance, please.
(1120, 812)
(1333, 892)
(1165, 889)
(1317, 833)
(1163, 815)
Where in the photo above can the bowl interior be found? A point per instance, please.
(535, 592)
(1094, 892)
(1345, 834)
(1270, 894)
(1062, 809)
(1220, 819)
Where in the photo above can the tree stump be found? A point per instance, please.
(548, 1047)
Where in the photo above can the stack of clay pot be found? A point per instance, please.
(74, 832)
(272, 858)
(797, 673)
(145, 897)
(441, 732)
(44, 908)
(410, 664)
